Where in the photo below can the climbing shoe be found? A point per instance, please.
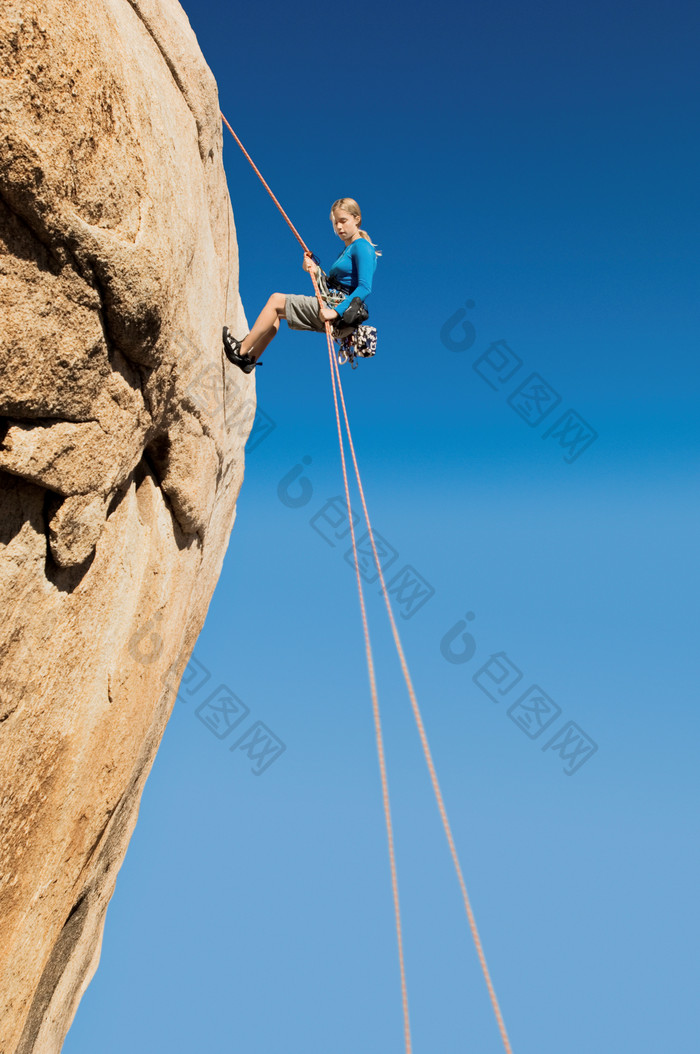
(232, 348)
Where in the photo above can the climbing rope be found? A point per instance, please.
(368, 646)
(338, 391)
(424, 740)
(375, 699)
(260, 176)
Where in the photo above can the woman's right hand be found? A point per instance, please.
(308, 263)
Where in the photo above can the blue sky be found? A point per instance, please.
(542, 164)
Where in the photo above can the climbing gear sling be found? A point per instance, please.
(361, 341)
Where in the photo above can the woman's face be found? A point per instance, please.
(346, 226)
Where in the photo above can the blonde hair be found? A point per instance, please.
(351, 206)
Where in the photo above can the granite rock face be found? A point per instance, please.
(122, 432)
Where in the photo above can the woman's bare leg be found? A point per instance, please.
(262, 343)
(266, 326)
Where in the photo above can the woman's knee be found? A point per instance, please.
(276, 302)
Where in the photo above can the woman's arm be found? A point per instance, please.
(364, 259)
(327, 313)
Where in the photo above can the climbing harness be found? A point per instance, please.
(354, 340)
(339, 401)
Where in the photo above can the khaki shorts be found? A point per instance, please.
(301, 312)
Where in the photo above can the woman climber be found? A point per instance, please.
(349, 278)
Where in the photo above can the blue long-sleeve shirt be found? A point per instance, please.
(353, 271)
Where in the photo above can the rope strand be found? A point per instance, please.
(375, 704)
(424, 741)
(291, 226)
(335, 378)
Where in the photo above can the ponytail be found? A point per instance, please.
(364, 234)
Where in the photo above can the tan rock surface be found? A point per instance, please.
(121, 456)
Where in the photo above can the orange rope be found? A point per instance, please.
(424, 739)
(335, 378)
(368, 646)
(292, 228)
(375, 700)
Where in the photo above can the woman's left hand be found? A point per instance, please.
(328, 314)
